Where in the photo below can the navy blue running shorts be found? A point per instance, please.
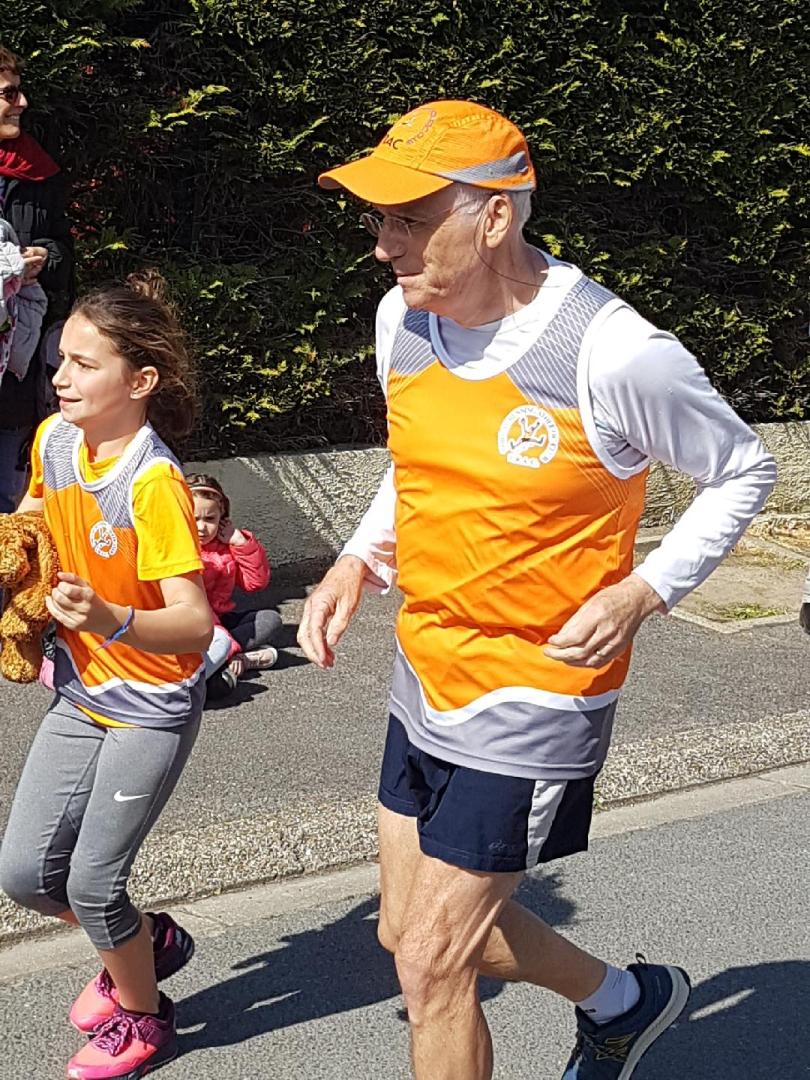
(480, 820)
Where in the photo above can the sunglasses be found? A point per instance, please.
(12, 94)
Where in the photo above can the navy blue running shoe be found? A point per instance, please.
(611, 1051)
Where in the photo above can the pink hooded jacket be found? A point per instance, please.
(226, 566)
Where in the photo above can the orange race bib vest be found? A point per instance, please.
(94, 527)
(507, 522)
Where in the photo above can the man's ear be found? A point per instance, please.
(144, 383)
(497, 219)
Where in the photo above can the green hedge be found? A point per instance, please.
(667, 137)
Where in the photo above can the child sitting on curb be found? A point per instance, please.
(231, 557)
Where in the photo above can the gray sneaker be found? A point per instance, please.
(260, 659)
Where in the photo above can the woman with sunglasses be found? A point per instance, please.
(32, 200)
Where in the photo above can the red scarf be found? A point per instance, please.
(24, 159)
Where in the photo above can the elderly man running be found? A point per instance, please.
(525, 403)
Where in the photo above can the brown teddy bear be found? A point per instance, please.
(28, 569)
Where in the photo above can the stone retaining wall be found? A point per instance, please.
(304, 506)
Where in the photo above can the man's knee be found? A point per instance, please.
(387, 931)
(432, 983)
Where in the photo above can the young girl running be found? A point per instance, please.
(231, 558)
(133, 621)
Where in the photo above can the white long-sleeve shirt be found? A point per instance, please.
(643, 397)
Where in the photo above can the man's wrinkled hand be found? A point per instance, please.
(605, 625)
(329, 610)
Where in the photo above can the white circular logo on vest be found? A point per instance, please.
(103, 539)
(528, 436)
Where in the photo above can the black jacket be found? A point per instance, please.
(36, 211)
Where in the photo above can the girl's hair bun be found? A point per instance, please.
(149, 284)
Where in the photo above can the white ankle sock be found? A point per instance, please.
(618, 992)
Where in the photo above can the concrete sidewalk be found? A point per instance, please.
(289, 983)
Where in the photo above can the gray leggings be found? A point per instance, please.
(86, 800)
(249, 629)
(252, 629)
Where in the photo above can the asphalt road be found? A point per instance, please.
(299, 736)
(287, 986)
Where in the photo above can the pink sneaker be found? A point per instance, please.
(174, 947)
(46, 673)
(127, 1046)
(95, 1004)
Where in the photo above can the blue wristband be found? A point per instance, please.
(122, 629)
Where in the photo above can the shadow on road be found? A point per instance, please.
(745, 1022)
(287, 637)
(332, 969)
(245, 690)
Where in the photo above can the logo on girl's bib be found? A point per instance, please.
(103, 539)
(528, 436)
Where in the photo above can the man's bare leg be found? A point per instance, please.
(520, 948)
(447, 920)
(523, 948)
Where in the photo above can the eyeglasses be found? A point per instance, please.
(12, 94)
(404, 228)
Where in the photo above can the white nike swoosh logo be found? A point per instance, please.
(126, 798)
